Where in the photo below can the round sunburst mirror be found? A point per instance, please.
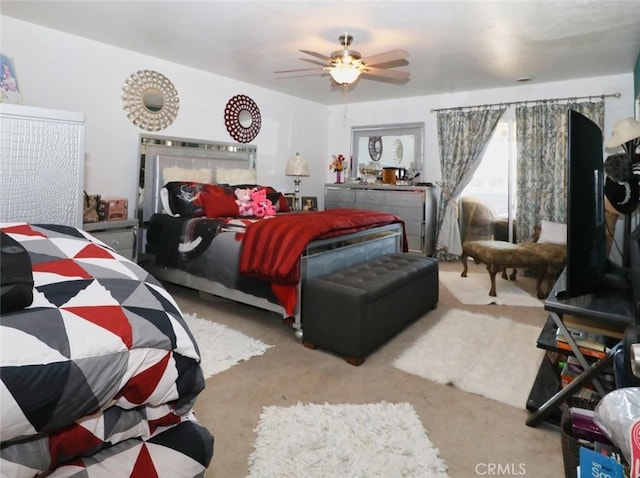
(242, 118)
(150, 100)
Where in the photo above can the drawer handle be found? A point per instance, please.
(116, 242)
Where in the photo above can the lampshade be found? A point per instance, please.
(297, 166)
(344, 74)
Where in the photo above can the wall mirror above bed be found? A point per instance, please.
(150, 100)
(376, 147)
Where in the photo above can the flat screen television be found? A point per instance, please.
(586, 228)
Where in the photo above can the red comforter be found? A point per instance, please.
(272, 248)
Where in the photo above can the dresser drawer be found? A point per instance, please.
(368, 199)
(339, 205)
(408, 213)
(118, 240)
(341, 196)
(415, 228)
(409, 199)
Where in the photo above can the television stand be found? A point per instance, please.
(606, 308)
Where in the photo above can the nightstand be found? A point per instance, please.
(120, 235)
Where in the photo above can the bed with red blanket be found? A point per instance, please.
(201, 240)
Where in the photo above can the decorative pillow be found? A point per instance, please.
(175, 173)
(553, 233)
(237, 176)
(277, 198)
(182, 198)
(219, 200)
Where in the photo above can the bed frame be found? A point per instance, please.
(320, 257)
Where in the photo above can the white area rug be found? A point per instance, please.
(474, 290)
(371, 440)
(221, 347)
(490, 356)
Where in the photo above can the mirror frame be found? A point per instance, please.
(379, 131)
(235, 107)
(134, 106)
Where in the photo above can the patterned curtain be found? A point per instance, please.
(463, 137)
(541, 132)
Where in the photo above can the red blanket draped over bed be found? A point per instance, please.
(271, 248)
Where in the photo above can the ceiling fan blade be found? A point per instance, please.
(315, 62)
(300, 69)
(393, 74)
(386, 57)
(317, 55)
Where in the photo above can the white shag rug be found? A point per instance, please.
(474, 290)
(319, 441)
(221, 347)
(489, 356)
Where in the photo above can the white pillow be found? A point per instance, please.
(175, 173)
(233, 176)
(553, 233)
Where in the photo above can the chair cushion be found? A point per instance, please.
(501, 253)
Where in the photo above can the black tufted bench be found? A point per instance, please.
(353, 311)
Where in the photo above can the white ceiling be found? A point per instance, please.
(453, 45)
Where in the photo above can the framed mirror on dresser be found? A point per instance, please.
(397, 149)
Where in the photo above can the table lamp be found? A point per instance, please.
(297, 166)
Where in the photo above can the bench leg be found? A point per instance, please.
(464, 258)
(539, 286)
(357, 361)
(543, 276)
(493, 270)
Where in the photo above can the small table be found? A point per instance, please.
(120, 235)
(607, 309)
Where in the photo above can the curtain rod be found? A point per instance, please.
(551, 100)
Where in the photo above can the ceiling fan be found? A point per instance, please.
(345, 66)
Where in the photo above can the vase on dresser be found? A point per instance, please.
(338, 177)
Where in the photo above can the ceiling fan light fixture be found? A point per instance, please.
(344, 74)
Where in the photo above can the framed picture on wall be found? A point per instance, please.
(9, 89)
(309, 203)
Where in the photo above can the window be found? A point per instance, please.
(494, 180)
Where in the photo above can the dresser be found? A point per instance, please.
(415, 204)
(119, 235)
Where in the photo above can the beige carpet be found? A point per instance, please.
(342, 440)
(474, 290)
(471, 432)
(490, 356)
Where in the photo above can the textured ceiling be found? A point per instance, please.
(453, 45)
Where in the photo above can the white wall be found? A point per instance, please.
(60, 71)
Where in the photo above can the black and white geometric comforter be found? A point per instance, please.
(98, 376)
